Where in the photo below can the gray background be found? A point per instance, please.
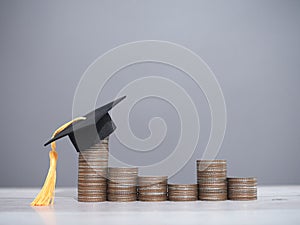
(253, 47)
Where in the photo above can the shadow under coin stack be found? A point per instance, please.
(242, 189)
(92, 172)
(211, 178)
(152, 189)
(183, 192)
(122, 184)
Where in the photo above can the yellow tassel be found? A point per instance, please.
(46, 195)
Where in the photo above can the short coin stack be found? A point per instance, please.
(122, 184)
(92, 172)
(183, 192)
(211, 179)
(152, 189)
(242, 188)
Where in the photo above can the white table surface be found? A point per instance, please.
(275, 205)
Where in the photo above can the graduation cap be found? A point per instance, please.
(95, 126)
(83, 132)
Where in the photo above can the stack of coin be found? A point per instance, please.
(92, 172)
(183, 192)
(211, 179)
(152, 188)
(242, 188)
(122, 184)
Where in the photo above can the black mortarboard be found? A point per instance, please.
(85, 133)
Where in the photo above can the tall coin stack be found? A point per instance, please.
(152, 189)
(122, 184)
(242, 188)
(92, 172)
(211, 179)
(183, 192)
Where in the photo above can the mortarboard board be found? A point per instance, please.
(83, 132)
(96, 126)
